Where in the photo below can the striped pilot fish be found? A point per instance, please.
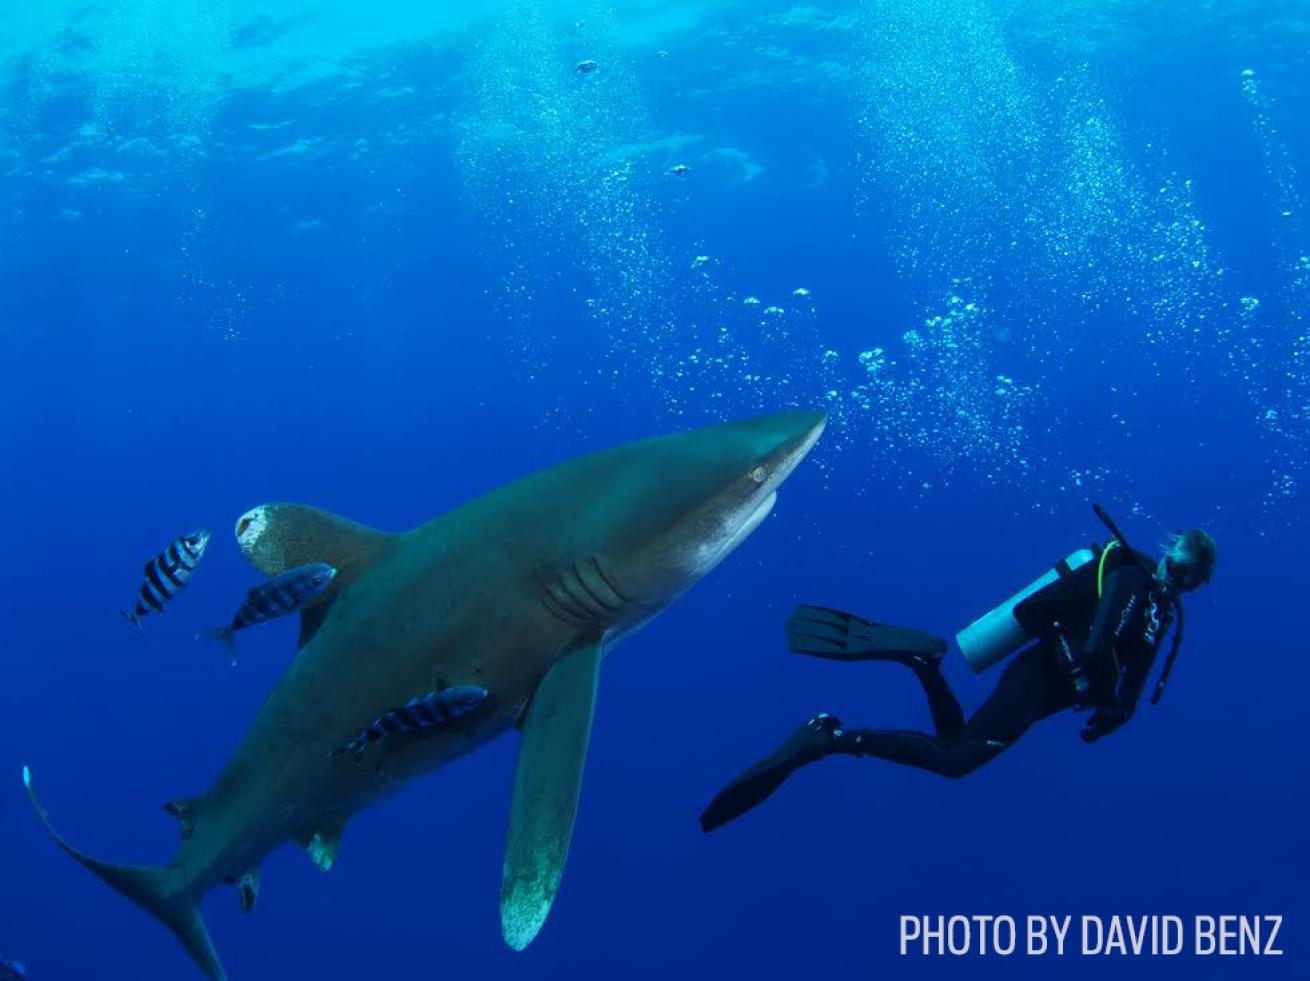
(167, 574)
(283, 594)
(436, 708)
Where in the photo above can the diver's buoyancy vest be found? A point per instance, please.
(1025, 615)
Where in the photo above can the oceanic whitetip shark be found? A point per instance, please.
(519, 592)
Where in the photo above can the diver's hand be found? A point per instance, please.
(1102, 722)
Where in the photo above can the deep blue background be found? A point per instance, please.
(346, 327)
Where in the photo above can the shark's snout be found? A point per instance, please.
(783, 441)
(716, 489)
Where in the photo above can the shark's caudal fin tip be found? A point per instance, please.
(155, 889)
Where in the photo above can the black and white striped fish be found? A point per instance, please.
(436, 708)
(281, 595)
(167, 574)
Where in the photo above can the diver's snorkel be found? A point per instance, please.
(1171, 594)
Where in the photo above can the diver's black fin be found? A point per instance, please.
(823, 632)
(810, 742)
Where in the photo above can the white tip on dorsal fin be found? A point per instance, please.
(278, 537)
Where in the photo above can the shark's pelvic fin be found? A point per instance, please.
(324, 844)
(556, 729)
(278, 537)
(184, 809)
(248, 889)
(159, 890)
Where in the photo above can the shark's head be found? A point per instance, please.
(694, 497)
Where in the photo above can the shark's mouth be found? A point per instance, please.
(751, 523)
(716, 554)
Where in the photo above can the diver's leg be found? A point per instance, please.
(947, 716)
(1026, 692)
(810, 742)
(946, 757)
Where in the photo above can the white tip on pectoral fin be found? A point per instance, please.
(556, 730)
(522, 915)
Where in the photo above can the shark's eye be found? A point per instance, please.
(758, 475)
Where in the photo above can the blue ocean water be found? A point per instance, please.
(383, 258)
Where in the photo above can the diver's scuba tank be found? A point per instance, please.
(998, 633)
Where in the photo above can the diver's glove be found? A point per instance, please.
(1103, 721)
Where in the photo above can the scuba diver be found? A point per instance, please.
(1095, 621)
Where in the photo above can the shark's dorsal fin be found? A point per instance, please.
(324, 844)
(278, 537)
(556, 729)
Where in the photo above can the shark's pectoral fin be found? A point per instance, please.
(556, 728)
(278, 537)
(323, 845)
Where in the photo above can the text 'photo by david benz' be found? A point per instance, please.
(960, 347)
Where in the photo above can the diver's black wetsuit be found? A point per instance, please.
(1118, 636)
(1117, 654)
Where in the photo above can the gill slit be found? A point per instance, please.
(570, 598)
(595, 564)
(608, 607)
(557, 609)
(571, 584)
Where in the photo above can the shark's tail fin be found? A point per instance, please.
(158, 890)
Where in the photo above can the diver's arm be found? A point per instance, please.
(1136, 671)
(1123, 587)
(1119, 665)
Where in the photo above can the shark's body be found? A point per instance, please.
(521, 592)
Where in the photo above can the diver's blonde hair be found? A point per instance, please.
(1193, 548)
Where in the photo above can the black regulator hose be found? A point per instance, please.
(1174, 601)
